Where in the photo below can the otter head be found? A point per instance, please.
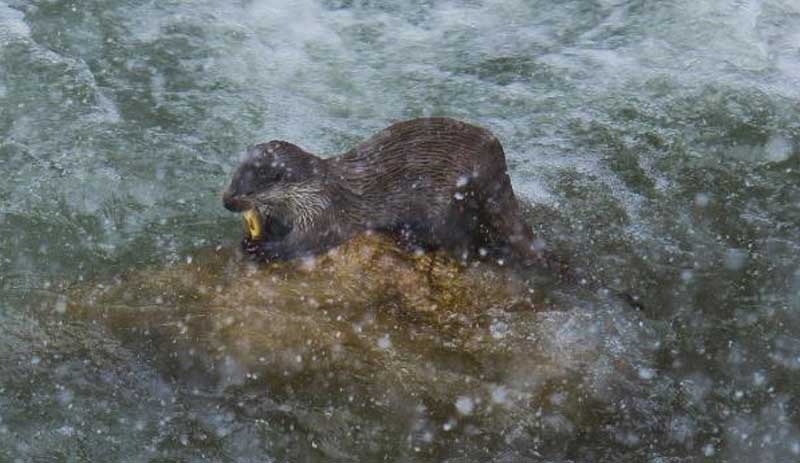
(279, 185)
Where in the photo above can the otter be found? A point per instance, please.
(435, 183)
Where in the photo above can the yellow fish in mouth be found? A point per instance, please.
(252, 222)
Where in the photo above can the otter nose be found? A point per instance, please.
(232, 202)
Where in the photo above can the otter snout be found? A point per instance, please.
(235, 203)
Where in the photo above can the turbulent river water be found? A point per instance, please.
(656, 143)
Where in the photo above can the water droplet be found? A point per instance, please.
(647, 373)
(465, 405)
(735, 259)
(500, 395)
(701, 199)
(61, 305)
(449, 424)
(499, 329)
(778, 148)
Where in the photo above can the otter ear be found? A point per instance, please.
(252, 153)
(275, 146)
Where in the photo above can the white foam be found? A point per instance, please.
(12, 25)
(778, 148)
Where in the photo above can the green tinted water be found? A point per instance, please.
(657, 142)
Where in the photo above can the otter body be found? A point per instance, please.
(433, 183)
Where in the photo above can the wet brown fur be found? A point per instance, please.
(434, 183)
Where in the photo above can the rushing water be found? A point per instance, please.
(658, 143)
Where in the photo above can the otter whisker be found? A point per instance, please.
(298, 203)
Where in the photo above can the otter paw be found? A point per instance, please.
(252, 247)
(260, 250)
(249, 246)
